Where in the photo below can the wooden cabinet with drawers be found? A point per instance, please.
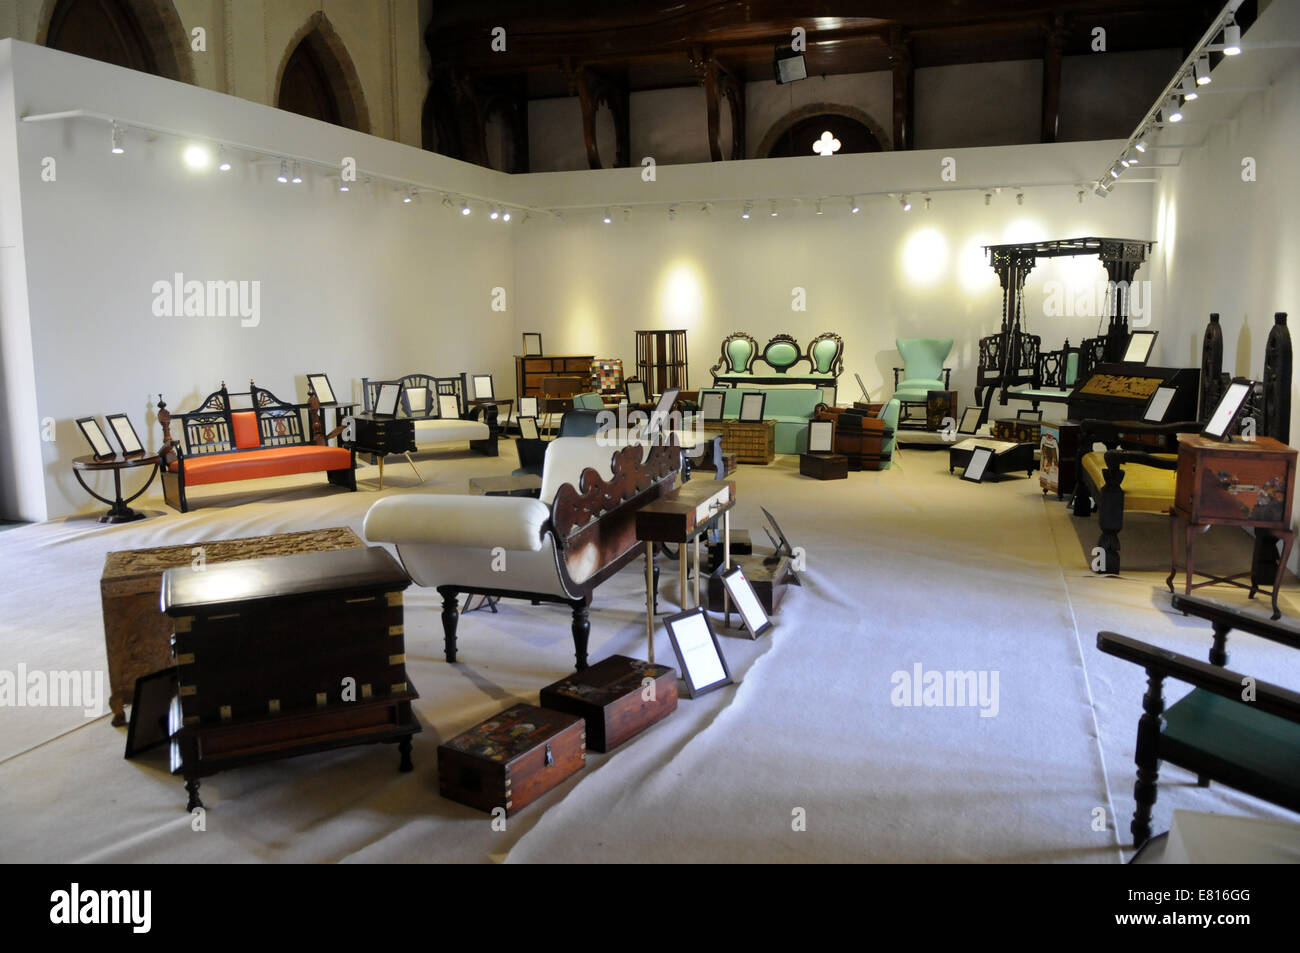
(531, 370)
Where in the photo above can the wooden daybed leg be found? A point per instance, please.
(581, 631)
(1110, 517)
(450, 616)
(404, 750)
(1148, 765)
(192, 786)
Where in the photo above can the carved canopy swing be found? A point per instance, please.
(1011, 356)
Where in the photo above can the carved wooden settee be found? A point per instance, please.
(557, 548)
(780, 356)
(247, 436)
(425, 397)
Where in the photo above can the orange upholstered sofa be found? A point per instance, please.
(220, 444)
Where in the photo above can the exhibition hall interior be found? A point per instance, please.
(483, 432)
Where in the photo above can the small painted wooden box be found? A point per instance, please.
(619, 697)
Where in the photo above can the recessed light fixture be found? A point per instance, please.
(117, 140)
(1231, 39)
(284, 172)
(223, 161)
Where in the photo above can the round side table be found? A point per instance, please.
(118, 511)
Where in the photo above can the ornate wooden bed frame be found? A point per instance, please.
(593, 523)
(209, 432)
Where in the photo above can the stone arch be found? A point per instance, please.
(796, 116)
(150, 29)
(322, 45)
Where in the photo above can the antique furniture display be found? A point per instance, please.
(1017, 429)
(681, 516)
(219, 443)
(118, 511)
(751, 442)
(780, 358)
(704, 667)
(380, 436)
(510, 760)
(922, 372)
(530, 370)
(1215, 731)
(137, 634)
(821, 462)
(285, 656)
(1247, 483)
(790, 407)
(611, 697)
(1058, 455)
(1055, 375)
(1136, 472)
(1006, 457)
(768, 575)
(579, 532)
(438, 411)
(661, 360)
(865, 439)
(1010, 357)
(94, 435)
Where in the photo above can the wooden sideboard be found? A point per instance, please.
(530, 370)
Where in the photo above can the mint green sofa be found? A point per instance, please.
(791, 408)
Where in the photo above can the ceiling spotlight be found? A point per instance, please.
(745, 213)
(407, 198)
(1174, 113)
(772, 206)
(1020, 198)
(196, 157)
(1101, 190)
(1231, 39)
(284, 172)
(927, 203)
(1114, 172)
(1081, 196)
(494, 214)
(853, 205)
(819, 206)
(117, 140)
(605, 218)
(223, 162)
(907, 206)
(446, 200)
(988, 198)
(343, 186)
(464, 207)
(1132, 159)
(1141, 145)
(297, 174)
(1189, 87)
(1202, 71)
(672, 213)
(505, 216)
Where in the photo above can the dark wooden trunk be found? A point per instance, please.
(511, 759)
(824, 466)
(618, 697)
(768, 579)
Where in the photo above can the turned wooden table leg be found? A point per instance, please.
(404, 749)
(1147, 757)
(192, 786)
(1173, 551)
(1288, 539)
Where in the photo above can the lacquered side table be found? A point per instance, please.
(1248, 483)
(118, 511)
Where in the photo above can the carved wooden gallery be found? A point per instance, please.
(570, 434)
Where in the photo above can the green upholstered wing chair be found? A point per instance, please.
(922, 369)
(826, 354)
(738, 352)
(782, 353)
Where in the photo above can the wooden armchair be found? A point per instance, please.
(1240, 731)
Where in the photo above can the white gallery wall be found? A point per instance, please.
(871, 277)
(354, 284)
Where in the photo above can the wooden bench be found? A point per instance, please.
(1221, 731)
(264, 437)
(780, 355)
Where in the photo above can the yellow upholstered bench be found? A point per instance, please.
(1146, 489)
